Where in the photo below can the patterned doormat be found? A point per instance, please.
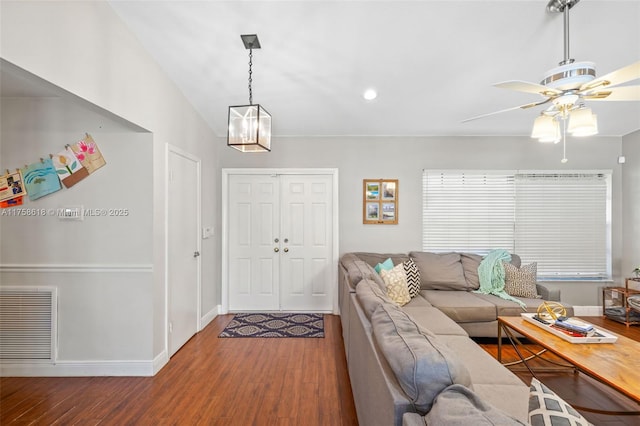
(275, 325)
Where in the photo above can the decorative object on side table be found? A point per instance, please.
(616, 306)
(636, 272)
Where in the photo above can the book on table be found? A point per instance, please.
(575, 325)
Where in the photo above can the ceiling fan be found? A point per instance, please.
(568, 87)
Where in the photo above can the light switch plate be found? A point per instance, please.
(207, 232)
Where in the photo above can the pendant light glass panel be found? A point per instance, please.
(546, 129)
(583, 122)
(249, 128)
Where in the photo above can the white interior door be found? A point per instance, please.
(306, 230)
(280, 242)
(183, 248)
(253, 247)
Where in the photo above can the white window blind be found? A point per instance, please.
(562, 223)
(561, 220)
(467, 209)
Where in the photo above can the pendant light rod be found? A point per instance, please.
(250, 42)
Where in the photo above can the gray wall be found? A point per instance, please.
(631, 204)
(109, 69)
(101, 266)
(404, 158)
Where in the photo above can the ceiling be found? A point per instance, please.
(433, 63)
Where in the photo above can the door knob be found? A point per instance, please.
(276, 249)
(276, 240)
(286, 249)
(196, 253)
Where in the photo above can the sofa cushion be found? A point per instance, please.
(370, 295)
(439, 271)
(470, 263)
(482, 366)
(413, 277)
(359, 270)
(396, 282)
(548, 409)
(418, 301)
(461, 306)
(434, 320)
(422, 365)
(521, 282)
(374, 258)
(509, 308)
(460, 406)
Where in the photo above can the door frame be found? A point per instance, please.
(169, 149)
(226, 173)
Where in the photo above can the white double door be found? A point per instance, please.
(280, 242)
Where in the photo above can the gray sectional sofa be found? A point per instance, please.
(388, 376)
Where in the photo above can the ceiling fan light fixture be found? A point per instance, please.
(583, 122)
(546, 129)
(566, 101)
(570, 76)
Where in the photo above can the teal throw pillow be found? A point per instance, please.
(386, 265)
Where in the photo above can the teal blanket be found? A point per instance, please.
(491, 275)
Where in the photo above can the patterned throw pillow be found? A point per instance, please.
(548, 409)
(396, 281)
(413, 277)
(521, 282)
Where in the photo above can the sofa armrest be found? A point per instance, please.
(550, 295)
(413, 419)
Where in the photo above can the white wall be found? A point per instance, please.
(47, 251)
(631, 204)
(84, 48)
(405, 158)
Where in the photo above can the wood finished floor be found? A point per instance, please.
(210, 381)
(214, 381)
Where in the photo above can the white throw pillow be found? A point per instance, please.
(396, 282)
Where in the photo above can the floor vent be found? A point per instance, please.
(27, 324)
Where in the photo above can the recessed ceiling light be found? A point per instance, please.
(370, 94)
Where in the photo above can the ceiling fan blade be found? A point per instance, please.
(614, 78)
(624, 93)
(525, 106)
(528, 87)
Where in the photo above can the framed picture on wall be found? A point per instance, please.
(380, 201)
(372, 190)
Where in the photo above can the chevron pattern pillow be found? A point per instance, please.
(413, 277)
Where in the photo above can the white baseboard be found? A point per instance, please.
(160, 361)
(209, 316)
(81, 368)
(587, 311)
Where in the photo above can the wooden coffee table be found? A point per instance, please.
(615, 364)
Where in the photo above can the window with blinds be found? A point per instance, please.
(561, 220)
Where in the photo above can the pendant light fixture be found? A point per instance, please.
(249, 127)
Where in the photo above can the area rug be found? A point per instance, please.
(275, 325)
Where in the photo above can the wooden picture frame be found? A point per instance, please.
(380, 201)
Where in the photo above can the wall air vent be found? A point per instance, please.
(27, 324)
